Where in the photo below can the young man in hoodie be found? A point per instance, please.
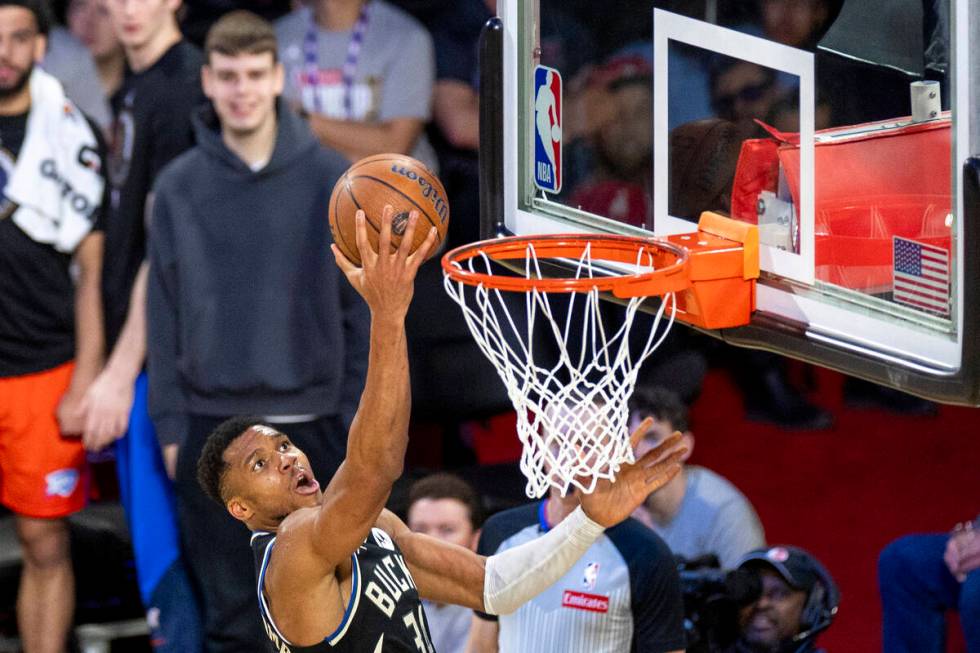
(247, 310)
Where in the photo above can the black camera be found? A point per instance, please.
(712, 600)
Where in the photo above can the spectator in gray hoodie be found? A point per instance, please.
(247, 310)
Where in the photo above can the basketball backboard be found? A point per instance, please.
(846, 143)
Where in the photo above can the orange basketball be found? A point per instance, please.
(394, 179)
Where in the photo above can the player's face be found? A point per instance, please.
(268, 477)
(136, 22)
(89, 21)
(21, 46)
(775, 616)
(243, 89)
(446, 519)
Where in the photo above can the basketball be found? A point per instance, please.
(395, 179)
(703, 156)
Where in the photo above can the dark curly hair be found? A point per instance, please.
(211, 466)
(40, 9)
(662, 404)
(448, 486)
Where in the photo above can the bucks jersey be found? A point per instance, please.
(384, 613)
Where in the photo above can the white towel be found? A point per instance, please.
(57, 181)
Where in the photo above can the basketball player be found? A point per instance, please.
(336, 571)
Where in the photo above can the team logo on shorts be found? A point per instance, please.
(61, 483)
(591, 576)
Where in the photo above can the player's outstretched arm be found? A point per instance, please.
(379, 433)
(499, 584)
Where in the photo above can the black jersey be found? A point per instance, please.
(384, 613)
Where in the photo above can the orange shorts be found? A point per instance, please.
(41, 473)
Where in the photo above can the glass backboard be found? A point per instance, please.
(843, 135)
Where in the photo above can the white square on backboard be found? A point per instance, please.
(668, 27)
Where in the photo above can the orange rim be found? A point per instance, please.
(669, 261)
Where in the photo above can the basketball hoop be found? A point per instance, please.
(572, 407)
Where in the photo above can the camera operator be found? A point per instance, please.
(797, 601)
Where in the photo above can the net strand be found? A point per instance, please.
(572, 413)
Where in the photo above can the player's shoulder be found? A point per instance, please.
(181, 172)
(639, 544)
(507, 523)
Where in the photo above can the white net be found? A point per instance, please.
(568, 374)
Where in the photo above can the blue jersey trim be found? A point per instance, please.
(355, 589)
(543, 516)
(262, 604)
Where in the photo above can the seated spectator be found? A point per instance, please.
(362, 71)
(89, 22)
(698, 512)
(921, 578)
(446, 507)
(744, 92)
(798, 600)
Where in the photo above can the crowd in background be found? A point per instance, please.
(199, 287)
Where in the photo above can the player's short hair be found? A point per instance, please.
(211, 465)
(40, 9)
(241, 32)
(448, 486)
(662, 404)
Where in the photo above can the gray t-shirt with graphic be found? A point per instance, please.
(714, 517)
(393, 78)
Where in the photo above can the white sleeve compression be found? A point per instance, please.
(517, 575)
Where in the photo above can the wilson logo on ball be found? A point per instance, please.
(429, 191)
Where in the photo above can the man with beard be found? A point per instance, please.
(50, 326)
(798, 601)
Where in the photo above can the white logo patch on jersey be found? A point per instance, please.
(383, 539)
(591, 576)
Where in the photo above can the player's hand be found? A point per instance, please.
(107, 404)
(386, 279)
(70, 415)
(612, 501)
(963, 551)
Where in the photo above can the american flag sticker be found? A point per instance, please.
(921, 276)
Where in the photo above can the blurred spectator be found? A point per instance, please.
(51, 341)
(362, 72)
(798, 23)
(623, 595)
(698, 512)
(89, 21)
(151, 126)
(616, 114)
(446, 507)
(798, 601)
(921, 578)
(238, 231)
(743, 92)
(199, 15)
(69, 61)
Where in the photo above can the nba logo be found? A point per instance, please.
(591, 576)
(547, 129)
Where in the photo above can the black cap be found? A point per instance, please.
(796, 566)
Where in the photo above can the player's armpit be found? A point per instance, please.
(443, 572)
